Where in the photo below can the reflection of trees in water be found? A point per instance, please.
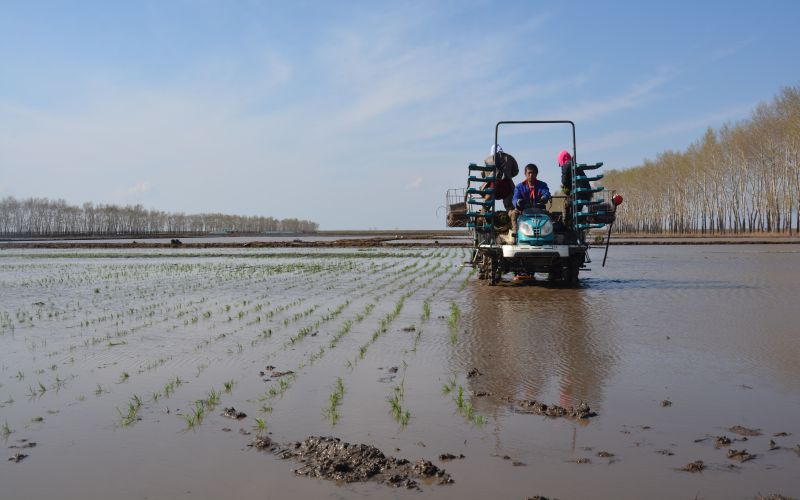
(524, 339)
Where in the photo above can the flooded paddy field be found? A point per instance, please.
(190, 373)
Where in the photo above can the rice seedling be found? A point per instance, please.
(449, 386)
(99, 390)
(123, 377)
(42, 388)
(156, 396)
(334, 400)
(20, 375)
(426, 310)
(6, 430)
(260, 426)
(229, 385)
(130, 416)
(212, 399)
(460, 398)
(452, 321)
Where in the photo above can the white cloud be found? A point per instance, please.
(620, 138)
(415, 184)
(138, 188)
(637, 95)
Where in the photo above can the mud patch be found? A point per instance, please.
(744, 431)
(740, 455)
(232, 413)
(696, 466)
(17, 457)
(582, 411)
(335, 460)
(721, 441)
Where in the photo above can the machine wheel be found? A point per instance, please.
(555, 274)
(483, 267)
(572, 269)
(495, 270)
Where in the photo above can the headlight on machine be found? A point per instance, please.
(547, 228)
(525, 229)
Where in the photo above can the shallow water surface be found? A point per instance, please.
(102, 361)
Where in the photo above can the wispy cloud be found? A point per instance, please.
(415, 184)
(622, 138)
(730, 50)
(635, 96)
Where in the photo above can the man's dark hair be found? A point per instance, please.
(532, 167)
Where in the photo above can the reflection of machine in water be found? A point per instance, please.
(537, 343)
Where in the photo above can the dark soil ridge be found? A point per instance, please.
(370, 243)
(330, 458)
(582, 411)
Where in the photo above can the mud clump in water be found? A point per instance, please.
(331, 458)
(28, 444)
(666, 403)
(696, 466)
(721, 441)
(581, 411)
(444, 457)
(262, 443)
(744, 431)
(18, 457)
(232, 413)
(741, 456)
(774, 496)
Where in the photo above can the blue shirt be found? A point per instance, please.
(541, 193)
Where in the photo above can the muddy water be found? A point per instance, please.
(670, 346)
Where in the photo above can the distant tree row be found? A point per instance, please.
(742, 178)
(44, 217)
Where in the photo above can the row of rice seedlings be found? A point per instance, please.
(323, 319)
(463, 406)
(384, 323)
(466, 280)
(6, 324)
(285, 382)
(401, 415)
(197, 413)
(308, 329)
(334, 400)
(426, 310)
(265, 333)
(131, 415)
(36, 391)
(452, 322)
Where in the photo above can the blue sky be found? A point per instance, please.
(360, 115)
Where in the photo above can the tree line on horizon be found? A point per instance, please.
(742, 178)
(42, 217)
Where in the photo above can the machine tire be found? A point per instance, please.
(572, 270)
(495, 271)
